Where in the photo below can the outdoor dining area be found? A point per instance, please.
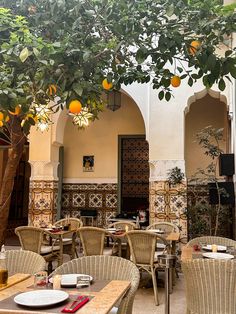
(105, 267)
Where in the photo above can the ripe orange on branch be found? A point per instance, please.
(194, 46)
(52, 89)
(1, 116)
(175, 81)
(106, 85)
(75, 106)
(16, 112)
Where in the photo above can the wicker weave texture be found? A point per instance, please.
(24, 262)
(210, 286)
(212, 240)
(75, 223)
(102, 267)
(92, 239)
(165, 226)
(123, 225)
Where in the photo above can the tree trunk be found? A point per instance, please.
(14, 155)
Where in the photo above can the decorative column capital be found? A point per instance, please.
(159, 168)
(43, 170)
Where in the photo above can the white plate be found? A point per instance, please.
(69, 280)
(218, 255)
(220, 248)
(156, 231)
(111, 230)
(39, 298)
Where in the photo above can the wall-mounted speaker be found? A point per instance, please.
(226, 165)
(226, 193)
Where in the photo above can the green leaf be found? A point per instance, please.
(167, 96)
(78, 89)
(170, 10)
(36, 52)
(221, 84)
(24, 54)
(161, 95)
(141, 55)
(233, 71)
(190, 81)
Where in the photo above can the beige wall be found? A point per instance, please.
(204, 112)
(100, 139)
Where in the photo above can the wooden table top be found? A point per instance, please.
(102, 302)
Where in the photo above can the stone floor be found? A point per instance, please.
(144, 299)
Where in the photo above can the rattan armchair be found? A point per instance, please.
(120, 245)
(106, 268)
(25, 262)
(142, 248)
(69, 240)
(92, 239)
(166, 226)
(210, 286)
(212, 240)
(41, 242)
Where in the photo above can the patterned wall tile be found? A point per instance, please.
(78, 200)
(111, 200)
(95, 200)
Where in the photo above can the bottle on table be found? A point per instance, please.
(3, 268)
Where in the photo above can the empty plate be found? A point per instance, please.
(218, 255)
(70, 280)
(220, 248)
(39, 298)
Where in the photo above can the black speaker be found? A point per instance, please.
(226, 165)
(226, 193)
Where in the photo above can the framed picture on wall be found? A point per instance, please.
(88, 163)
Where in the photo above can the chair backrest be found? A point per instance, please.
(31, 238)
(123, 225)
(106, 267)
(212, 240)
(210, 286)
(142, 246)
(75, 223)
(25, 262)
(92, 239)
(165, 226)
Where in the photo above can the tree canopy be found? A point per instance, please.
(66, 48)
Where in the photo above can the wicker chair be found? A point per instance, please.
(42, 242)
(210, 286)
(106, 268)
(212, 240)
(92, 239)
(70, 240)
(142, 246)
(167, 227)
(127, 226)
(25, 262)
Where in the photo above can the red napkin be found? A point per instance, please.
(77, 304)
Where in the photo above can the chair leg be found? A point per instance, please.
(154, 281)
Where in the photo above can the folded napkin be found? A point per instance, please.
(75, 305)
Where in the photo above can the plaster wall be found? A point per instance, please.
(206, 111)
(100, 139)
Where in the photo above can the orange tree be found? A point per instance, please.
(66, 48)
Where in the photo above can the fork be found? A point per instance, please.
(79, 299)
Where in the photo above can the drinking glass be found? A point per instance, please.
(83, 281)
(41, 280)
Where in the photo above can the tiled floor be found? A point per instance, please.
(144, 299)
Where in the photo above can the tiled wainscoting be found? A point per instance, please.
(169, 203)
(102, 197)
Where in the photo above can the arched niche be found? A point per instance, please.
(205, 108)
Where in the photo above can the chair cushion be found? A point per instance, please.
(48, 249)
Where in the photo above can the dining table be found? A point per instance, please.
(101, 300)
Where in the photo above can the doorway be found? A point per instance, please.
(133, 176)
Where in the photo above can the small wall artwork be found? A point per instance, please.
(88, 163)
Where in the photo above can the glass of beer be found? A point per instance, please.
(3, 277)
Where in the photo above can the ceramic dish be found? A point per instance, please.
(40, 298)
(69, 280)
(220, 248)
(217, 255)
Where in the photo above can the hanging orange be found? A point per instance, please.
(52, 89)
(175, 81)
(16, 112)
(194, 46)
(106, 85)
(1, 116)
(75, 106)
